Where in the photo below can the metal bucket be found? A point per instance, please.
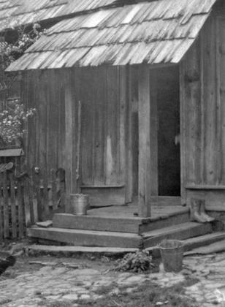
(172, 255)
(79, 203)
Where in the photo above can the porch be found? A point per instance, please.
(119, 227)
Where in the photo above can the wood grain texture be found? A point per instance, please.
(144, 192)
(87, 238)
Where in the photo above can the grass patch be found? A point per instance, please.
(45, 303)
(148, 295)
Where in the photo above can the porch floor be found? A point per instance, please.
(161, 207)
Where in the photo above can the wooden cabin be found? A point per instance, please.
(130, 102)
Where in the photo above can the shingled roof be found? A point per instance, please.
(153, 32)
(14, 13)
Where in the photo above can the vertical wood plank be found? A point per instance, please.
(13, 205)
(101, 76)
(20, 209)
(6, 205)
(144, 194)
(37, 194)
(183, 134)
(53, 189)
(209, 74)
(154, 133)
(129, 153)
(43, 120)
(69, 139)
(33, 200)
(1, 209)
(220, 36)
(221, 99)
(202, 107)
(123, 98)
(27, 212)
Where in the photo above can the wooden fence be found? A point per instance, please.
(26, 199)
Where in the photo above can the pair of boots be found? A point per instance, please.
(198, 213)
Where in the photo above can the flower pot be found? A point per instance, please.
(79, 203)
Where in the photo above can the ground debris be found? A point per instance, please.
(135, 262)
(59, 263)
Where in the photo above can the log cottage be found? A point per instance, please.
(130, 101)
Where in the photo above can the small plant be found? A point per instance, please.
(135, 262)
(12, 121)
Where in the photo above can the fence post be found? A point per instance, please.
(26, 203)
(20, 209)
(1, 209)
(6, 207)
(53, 189)
(13, 205)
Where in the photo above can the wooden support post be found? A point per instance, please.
(129, 154)
(69, 131)
(144, 185)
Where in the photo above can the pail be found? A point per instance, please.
(79, 203)
(172, 255)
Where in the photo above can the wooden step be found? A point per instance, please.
(200, 241)
(166, 220)
(192, 243)
(88, 222)
(119, 224)
(57, 250)
(86, 237)
(178, 232)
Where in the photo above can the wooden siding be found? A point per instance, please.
(45, 144)
(203, 109)
(102, 127)
(98, 160)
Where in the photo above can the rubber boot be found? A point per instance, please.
(195, 211)
(203, 213)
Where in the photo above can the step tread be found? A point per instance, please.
(82, 249)
(86, 237)
(99, 217)
(215, 236)
(212, 248)
(173, 229)
(84, 232)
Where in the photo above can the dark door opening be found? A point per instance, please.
(168, 102)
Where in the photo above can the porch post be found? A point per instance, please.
(70, 139)
(144, 184)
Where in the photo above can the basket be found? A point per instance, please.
(79, 203)
(172, 255)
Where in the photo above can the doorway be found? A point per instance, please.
(168, 105)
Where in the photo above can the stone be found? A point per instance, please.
(84, 297)
(70, 297)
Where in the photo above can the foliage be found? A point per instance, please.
(12, 121)
(13, 116)
(12, 50)
(135, 262)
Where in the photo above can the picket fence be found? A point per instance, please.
(27, 199)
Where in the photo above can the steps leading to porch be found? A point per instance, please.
(177, 232)
(119, 224)
(86, 237)
(189, 245)
(92, 238)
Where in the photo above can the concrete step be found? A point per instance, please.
(177, 232)
(86, 237)
(119, 224)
